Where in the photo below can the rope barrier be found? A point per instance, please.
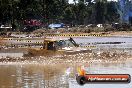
(77, 35)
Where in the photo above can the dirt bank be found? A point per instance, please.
(120, 33)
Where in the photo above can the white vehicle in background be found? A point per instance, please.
(6, 27)
(100, 25)
(56, 26)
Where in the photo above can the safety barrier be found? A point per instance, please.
(88, 46)
(25, 41)
(39, 42)
(77, 35)
(35, 44)
(23, 46)
(65, 35)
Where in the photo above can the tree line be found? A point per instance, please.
(51, 11)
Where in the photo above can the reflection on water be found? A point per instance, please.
(54, 76)
(31, 76)
(44, 75)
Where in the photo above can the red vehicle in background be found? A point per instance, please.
(32, 24)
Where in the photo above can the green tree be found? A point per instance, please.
(112, 14)
(100, 9)
(50, 11)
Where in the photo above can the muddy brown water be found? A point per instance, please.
(38, 75)
(19, 74)
(31, 76)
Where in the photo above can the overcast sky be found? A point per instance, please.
(71, 1)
